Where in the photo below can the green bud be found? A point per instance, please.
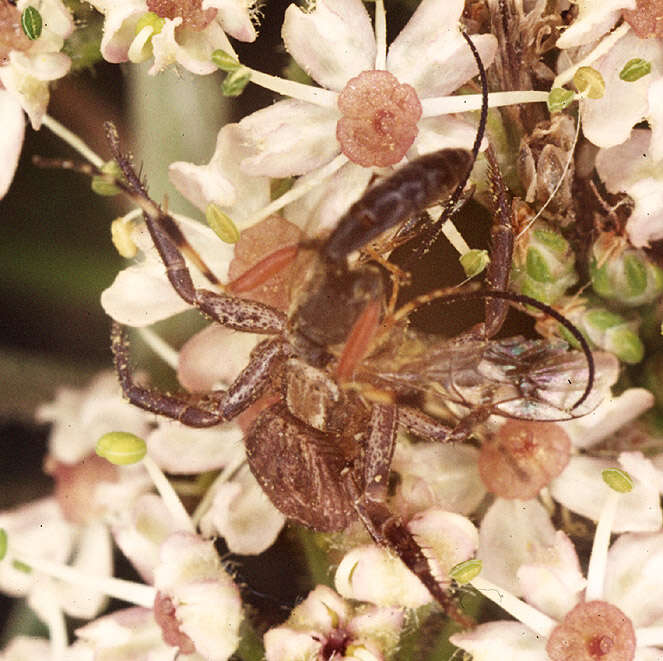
(3, 543)
(222, 224)
(589, 82)
(635, 69)
(31, 23)
(625, 343)
(104, 185)
(121, 448)
(653, 377)
(225, 61)
(236, 81)
(464, 572)
(559, 98)
(617, 479)
(474, 262)
(543, 264)
(150, 19)
(537, 269)
(625, 274)
(602, 319)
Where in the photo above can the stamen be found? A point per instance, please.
(528, 615)
(311, 94)
(449, 105)
(133, 593)
(160, 347)
(169, 495)
(73, 140)
(599, 557)
(380, 35)
(304, 184)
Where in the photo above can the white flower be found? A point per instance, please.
(324, 626)
(142, 295)
(221, 181)
(374, 574)
(26, 68)
(186, 33)
(324, 130)
(206, 603)
(633, 168)
(615, 609)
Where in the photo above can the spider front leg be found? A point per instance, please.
(202, 410)
(382, 524)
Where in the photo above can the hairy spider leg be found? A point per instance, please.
(201, 410)
(384, 527)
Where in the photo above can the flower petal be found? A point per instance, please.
(11, 137)
(332, 43)
(243, 515)
(234, 17)
(502, 640)
(595, 18)
(289, 138)
(608, 121)
(222, 181)
(581, 489)
(513, 533)
(553, 582)
(633, 572)
(430, 53)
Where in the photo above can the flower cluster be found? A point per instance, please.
(401, 477)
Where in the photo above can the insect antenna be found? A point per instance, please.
(447, 296)
(432, 229)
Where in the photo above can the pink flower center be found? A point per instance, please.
(379, 122)
(523, 457)
(593, 631)
(645, 19)
(166, 617)
(191, 11)
(12, 36)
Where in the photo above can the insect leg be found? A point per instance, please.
(423, 425)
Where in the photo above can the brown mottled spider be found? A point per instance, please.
(323, 452)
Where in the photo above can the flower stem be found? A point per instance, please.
(73, 140)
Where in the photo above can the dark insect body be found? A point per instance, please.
(346, 374)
